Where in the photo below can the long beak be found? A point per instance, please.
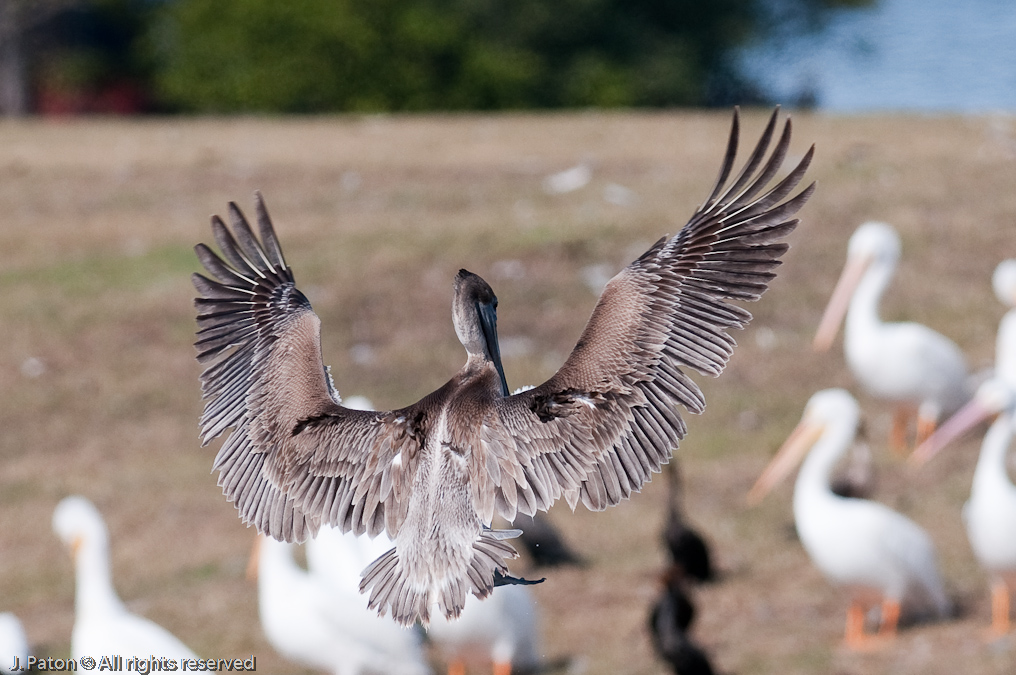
(968, 416)
(488, 324)
(76, 544)
(786, 459)
(255, 555)
(838, 303)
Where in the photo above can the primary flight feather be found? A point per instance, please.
(433, 474)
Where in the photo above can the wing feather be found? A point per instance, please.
(295, 457)
(608, 419)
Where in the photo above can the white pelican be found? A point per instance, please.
(990, 514)
(13, 644)
(433, 474)
(102, 625)
(310, 621)
(874, 553)
(905, 363)
(502, 630)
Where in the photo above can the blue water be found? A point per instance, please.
(922, 55)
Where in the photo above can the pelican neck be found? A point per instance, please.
(813, 478)
(991, 464)
(862, 314)
(94, 577)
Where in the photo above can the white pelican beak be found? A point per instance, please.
(786, 459)
(838, 303)
(252, 563)
(965, 418)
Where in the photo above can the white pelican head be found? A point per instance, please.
(829, 409)
(1003, 281)
(77, 522)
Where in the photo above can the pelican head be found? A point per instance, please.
(873, 245)
(874, 241)
(474, 314)
(1004, 282)
(76, 521)
(826, 408)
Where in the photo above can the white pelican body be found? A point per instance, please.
(905, 363)
(310, 620)
(501, 630)
(873, 552)
(13, 644)
(336, 559)
(990, 514)
(102, 625)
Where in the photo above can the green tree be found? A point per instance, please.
(375, 55)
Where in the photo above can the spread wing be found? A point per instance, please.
(296, 457)
(608, 418)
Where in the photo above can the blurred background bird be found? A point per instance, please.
(990, 514)
(905, 364)
(878, 556)
(13, 643)
(314, 619)
(501, 632)
(688, 550)
(102, 624)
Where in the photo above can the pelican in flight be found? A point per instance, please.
(990, 514)
(433, 474)
(905, 363)
(873, 552)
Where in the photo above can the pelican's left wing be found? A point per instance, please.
(296, 458)
(608, 418)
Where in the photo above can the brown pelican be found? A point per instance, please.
(433, 474)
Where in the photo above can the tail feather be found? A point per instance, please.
(391, 589)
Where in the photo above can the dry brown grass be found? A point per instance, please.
(98, 221)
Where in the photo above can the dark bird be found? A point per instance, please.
(674, 600)
(544, 544)
(433, 474)
(688, 550)
(668, 624)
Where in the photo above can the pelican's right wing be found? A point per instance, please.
(608, 418)
(295, 458)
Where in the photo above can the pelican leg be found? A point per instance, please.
(502, 668)
(999, 609)
(898, 433)
(854, 638)
(457, 667)
(890, 618)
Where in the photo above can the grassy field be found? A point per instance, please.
(100, 393)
